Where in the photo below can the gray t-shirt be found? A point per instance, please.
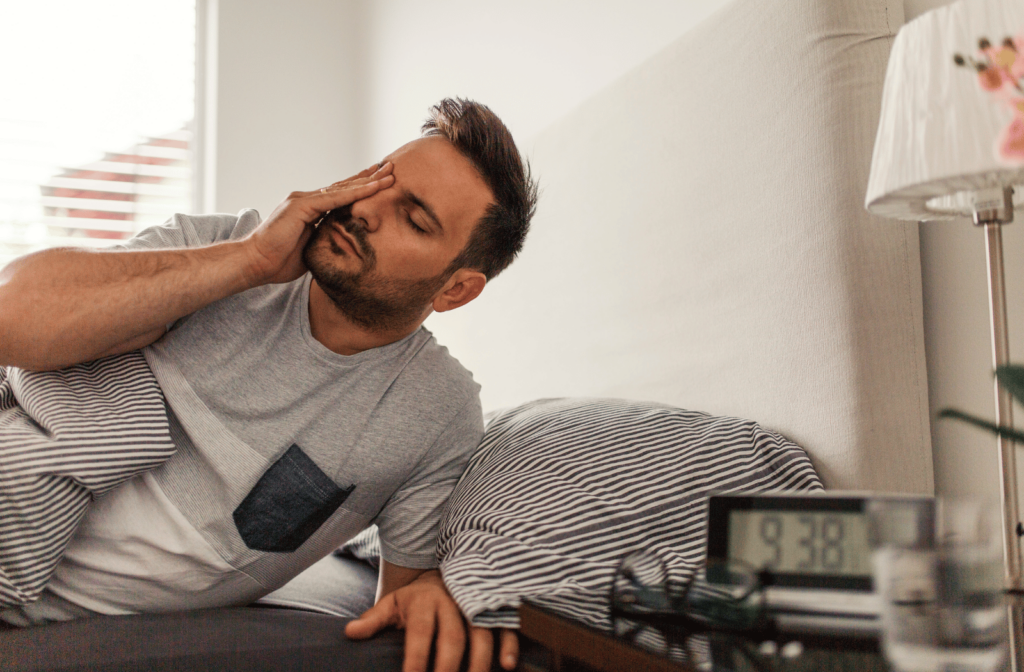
(245, 381)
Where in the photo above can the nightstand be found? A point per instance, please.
(575, 647)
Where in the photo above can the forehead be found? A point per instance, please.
(435, 172)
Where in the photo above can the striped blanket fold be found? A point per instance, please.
(65, 437)
(561, 489)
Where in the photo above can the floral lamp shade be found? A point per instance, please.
(952, 123)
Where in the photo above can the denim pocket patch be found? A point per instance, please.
(288, 504)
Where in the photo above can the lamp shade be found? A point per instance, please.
(952, 120)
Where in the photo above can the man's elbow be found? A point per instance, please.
(13, 316)
(8, 331)
(29, 356)
(20, 344)
(31, 329)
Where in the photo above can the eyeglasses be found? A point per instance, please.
(724, 597)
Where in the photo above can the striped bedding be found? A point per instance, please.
(561, 489)
(65, 437)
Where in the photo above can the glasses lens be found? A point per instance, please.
(639, 585)
(727, 596)
(729, 580)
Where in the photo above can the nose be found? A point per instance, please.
(370, 211)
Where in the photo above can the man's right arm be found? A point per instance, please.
(66, 306)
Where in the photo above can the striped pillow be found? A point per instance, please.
(561, 489)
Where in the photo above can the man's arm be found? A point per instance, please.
(65, 306)
(416, 600)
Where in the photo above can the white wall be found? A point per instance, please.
(531, 61)
(282, 96)
(303, 93)
(959, 351)
(310, 91)
(914, 8)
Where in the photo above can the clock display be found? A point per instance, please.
(801, 542)
(807, 541)
(812, 541)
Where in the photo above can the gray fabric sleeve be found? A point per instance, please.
(410, 520)
(193, 231)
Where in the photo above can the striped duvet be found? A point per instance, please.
(65, 437)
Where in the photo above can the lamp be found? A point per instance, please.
(950, 144)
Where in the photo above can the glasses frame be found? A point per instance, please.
(696, 605)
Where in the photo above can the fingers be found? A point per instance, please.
(381, 615)
(368, 176)
(349, 191)
(450, 641)
(374, 172)
(419, 636)
(366, 172)
(335, 197)
(431, 619)
(312, 205)
(509, 649)
(481, 648)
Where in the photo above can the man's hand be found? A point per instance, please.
(426, 612)
(275, 247)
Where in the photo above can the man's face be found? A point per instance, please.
(383, 259)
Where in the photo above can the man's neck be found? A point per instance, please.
(339, 334)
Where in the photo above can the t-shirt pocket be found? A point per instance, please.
(288, 504)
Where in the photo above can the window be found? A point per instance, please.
(96, 117)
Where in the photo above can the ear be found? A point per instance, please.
(464, 286)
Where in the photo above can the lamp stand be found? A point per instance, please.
(1004, 406)
(1004, 416)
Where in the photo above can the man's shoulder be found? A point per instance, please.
(435, 378)
(432, 358)
(195, 230)
(218, 227)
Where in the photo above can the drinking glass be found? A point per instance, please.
(942, 605)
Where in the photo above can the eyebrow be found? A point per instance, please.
(418, 202)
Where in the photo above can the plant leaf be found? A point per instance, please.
(1005, 432)
(1011, 377)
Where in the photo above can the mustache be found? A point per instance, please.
(343, 217)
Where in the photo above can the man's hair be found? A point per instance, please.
(481, 137)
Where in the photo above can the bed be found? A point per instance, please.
(701, 243)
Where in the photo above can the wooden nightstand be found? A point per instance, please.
(574, 647)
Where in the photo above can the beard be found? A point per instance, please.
(375, 303)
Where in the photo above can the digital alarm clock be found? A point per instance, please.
(815, 549)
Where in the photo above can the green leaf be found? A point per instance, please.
(1005, 432)
(1011, 377)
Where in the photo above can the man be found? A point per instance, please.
(289, 351)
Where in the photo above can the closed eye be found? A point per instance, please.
(413, 224)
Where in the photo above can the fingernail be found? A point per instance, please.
(510, 660)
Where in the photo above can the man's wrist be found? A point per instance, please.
(431, 576)
(242, 262)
